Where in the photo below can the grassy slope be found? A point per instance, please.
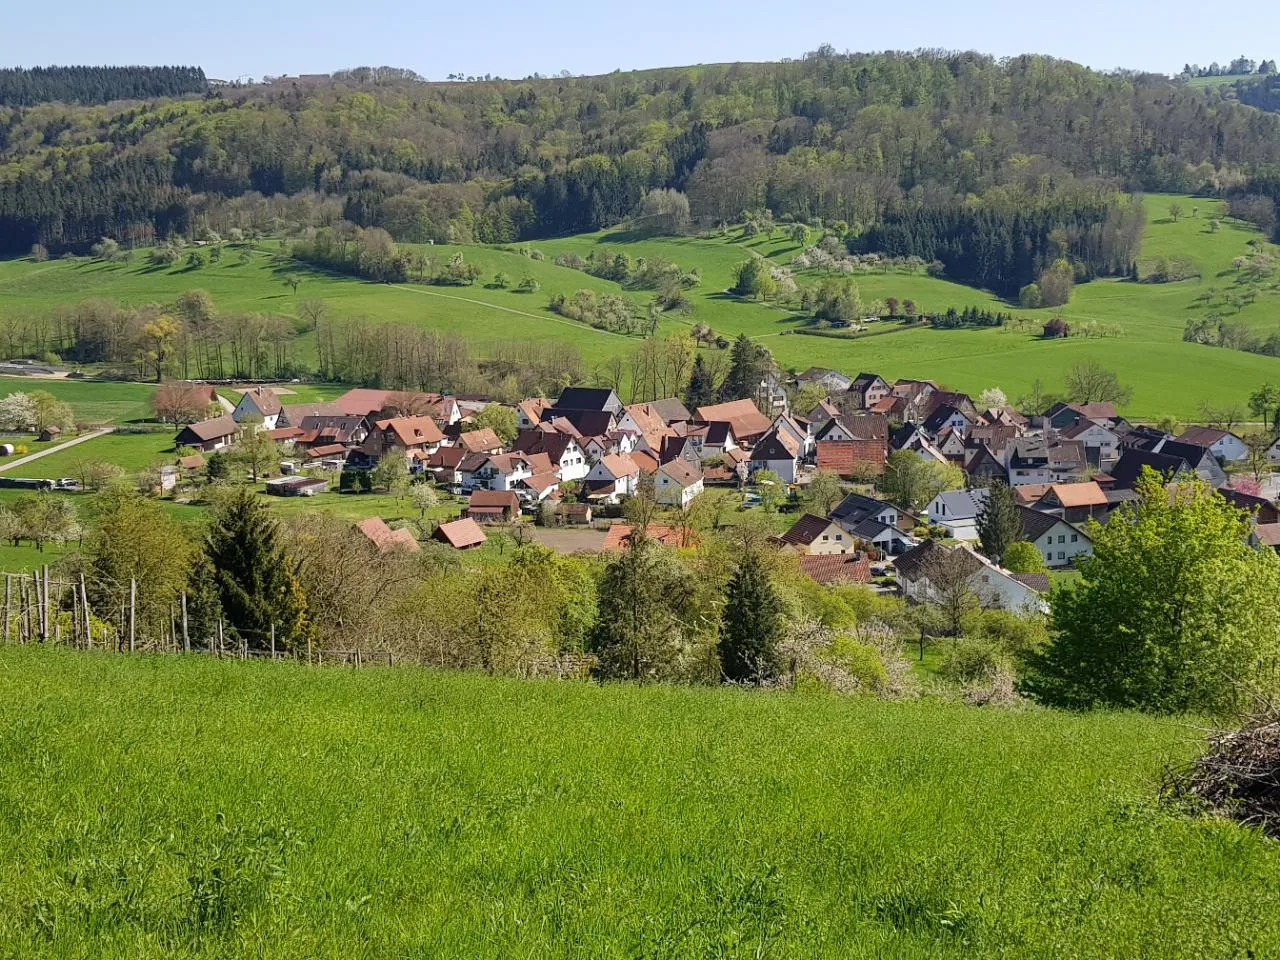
(1167, 376)
(90, 401)
(407, 813)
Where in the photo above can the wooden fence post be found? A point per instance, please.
(8, 601)
(273, 640)
(48, 609)
(88, 621)
(186, 637)
(133, 613)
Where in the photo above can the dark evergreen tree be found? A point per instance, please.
(748, 363)
(701, 391)
(204, 608)
(752, 624)
(999, 521)
(255, 586)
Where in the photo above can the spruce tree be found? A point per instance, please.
(700, 391)
(251, 572)
(999, 522)
(747, 364)
(751, 625)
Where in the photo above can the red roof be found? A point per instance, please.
(743, 416)
(840, 568)
(852, 458)
(461, 534)
(619, 536)
(413, 431)
(494, 500)
(384, 538)
(480, 441)
(329, 450)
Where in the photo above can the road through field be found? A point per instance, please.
(94, 435)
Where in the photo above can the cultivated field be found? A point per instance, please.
(161, 806)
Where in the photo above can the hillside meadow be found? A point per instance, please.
(167, 806)
(1167, 376)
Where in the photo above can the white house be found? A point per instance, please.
(929, 572)
(957, 511)
(1058, 541)
(819, 537)
(1223, 444)
(258, 404)
(614, 477)
(777, 451)
(1094, 436)
(677, 482)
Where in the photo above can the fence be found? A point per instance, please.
(40, 609)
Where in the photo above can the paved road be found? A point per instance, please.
(23, 461)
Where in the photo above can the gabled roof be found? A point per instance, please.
(553, 445)
(283, 433)
(413, 431)
(1029, 493)
(864, 380)
(961, 504)
(532, 408)
(215, 429)
(619, 465)
(501, 499)
(1129, 467)
(671, 410)
(1190, 452)
(193, 462)
(446, 458)
(870, 426)
(327, 450)
(384, 538)
(1039, 582)
(1203, 436)
(1036, 524)
(1087, 494)
(776, 445)
(479, 440)
(856, 507)
(540, 482)
(461, 534)
(361, 402)
(840, 568)
(940, 415)
(682, 472)
(1268, 534)
(618, 536)
(647, 462)
(264, 400)
(1083, 427)
(296, 412)
(929, 556)
(588, 423)
(742, 415)
(646, 417)
(806, 530)
(586, 398)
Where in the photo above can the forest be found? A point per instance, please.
(21, 87)
(923, 153)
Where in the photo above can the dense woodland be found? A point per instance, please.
(21, 87)
(927, 153)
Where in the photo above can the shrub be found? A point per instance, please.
(1029, 297)
(966, 659)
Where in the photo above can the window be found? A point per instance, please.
(839, 536)
(825, 537)
(1075, 537)
(1061, 555)
(1048, 554)
(1062, 538)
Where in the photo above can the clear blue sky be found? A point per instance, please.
(236, 38)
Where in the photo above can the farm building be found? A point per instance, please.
(296, 486)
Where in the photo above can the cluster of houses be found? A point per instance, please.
(1067, 465)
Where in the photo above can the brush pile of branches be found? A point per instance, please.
(1239, 775)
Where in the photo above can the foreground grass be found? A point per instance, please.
(175, 807)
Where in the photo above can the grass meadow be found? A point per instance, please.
(1167, 376)
(169, 807)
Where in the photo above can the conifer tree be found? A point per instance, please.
(751, 625)
(251, 573)
(700, 391)
(999, 522)
(748, 363)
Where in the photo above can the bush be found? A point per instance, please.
(966, 659)
(1029, 297)
(1023, 557)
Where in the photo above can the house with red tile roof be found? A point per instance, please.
(835, 570)
(852, 459)
(376, 531)
(464, 534)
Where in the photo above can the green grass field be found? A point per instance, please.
(92, 401)
(1168, 377)
(166, 806)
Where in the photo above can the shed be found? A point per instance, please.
(464, 534)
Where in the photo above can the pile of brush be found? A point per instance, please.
(1239, 775)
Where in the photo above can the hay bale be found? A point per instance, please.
(1239, 775)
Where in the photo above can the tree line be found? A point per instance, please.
(23, 87)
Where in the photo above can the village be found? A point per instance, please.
(575, 462)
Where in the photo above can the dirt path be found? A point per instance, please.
(22, 461)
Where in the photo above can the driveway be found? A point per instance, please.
(22, 461)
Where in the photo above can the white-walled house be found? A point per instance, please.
(677, 483)
(929, 572)
(777, 451)
(957, 511)
(258, 404)
(1223, 444)
(614, 477)
(1058, 541)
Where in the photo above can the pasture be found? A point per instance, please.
(1167, 376)
(171, 806)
